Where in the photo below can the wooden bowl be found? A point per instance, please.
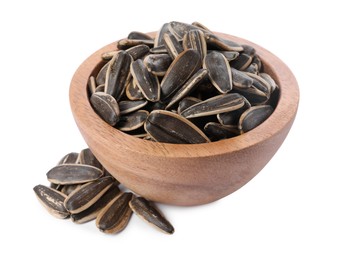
(185, 174)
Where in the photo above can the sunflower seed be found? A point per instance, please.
(139, 51)
(179, 29)
(116, 215)
(252, 68)
(222, 44)
(253, 117)
(187, 102)
(73, 174)
(253, 95)
(128, 106)
(172, 45)
(157, 64)
(201, 26)
(181, 69)
(93, 211)
(216, 131)
(195, 39)
(82, 198)
(132, 121)
(249, 50)
(67, 189)
(188, 87)
(168, 127)
(108, 55)
(100, 78)
(241, 62)
(92, 85)
(232, 118)
(269, 80)
(100, 88)
(106, 107)
(161, 49)
(229, 55)
(260, 83)
(52, 200)
(71, 158)
(133, 92)
(219, 71)
(134, 35)
(215, 105)
(257, 61)
(159, 39)
(125, 44)
(118, 74)
(146, 211)
(147, 82)
(88, 158)
(241, 79)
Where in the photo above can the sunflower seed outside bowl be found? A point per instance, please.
(143, 208)
(116, 215)
(73, 174)
(82, 198)
(52, 200)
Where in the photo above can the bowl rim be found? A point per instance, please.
(283, 114)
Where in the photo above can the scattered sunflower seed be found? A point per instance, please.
(73, 174)
(116, 215)
(150, 214)
(52, 200)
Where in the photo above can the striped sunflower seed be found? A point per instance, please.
(93, 211)
(221, 44)
(215, 105)
(71, 158)
(88, 158)
(219, 71)
(128, 106)
(139, 36)
(133, 92)
(216, 131)
(132, 121)
(106, 107)
(157, 64)
(195, 39)
(125, 44)
(116, 215)
(100, 78)
(181, 69)
(82, 198)
(52, 200)
(254, 116)
(159, 39)
(146, 81)
(73, 174)
(118, 74)
(146, 211)
(188, 87)
(179, 29)
(187, 102)
(168, 127)
(241, 79)
(172, 45)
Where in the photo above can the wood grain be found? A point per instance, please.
(185, 174)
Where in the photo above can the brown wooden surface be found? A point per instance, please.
(185, 174)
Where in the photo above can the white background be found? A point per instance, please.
(288, 211)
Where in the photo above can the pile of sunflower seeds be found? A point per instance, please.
(187, 85)
(81, 189)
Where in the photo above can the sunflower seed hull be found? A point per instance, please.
(116, 215)
(150, 214)
(52, 200)
(73, 174)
